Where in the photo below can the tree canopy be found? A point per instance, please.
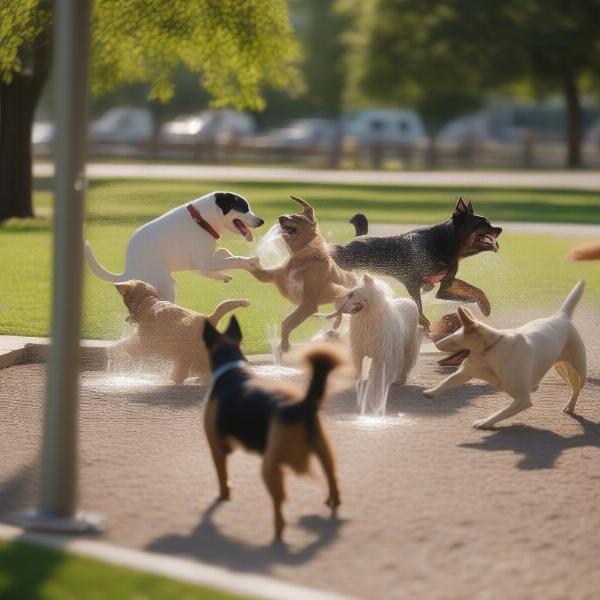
(236, 47)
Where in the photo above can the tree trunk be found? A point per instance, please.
(573, 119)
(18, 100)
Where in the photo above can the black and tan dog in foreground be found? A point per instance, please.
(274, 421)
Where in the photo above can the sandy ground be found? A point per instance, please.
(431, 507)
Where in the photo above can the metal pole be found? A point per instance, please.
(58, 497)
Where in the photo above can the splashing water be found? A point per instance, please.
(372, 390)
(271, 248)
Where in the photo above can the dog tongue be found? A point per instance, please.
(495, 244)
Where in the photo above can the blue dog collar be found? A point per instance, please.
(230, 366)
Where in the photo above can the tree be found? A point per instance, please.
(235, 47)
(446, 54)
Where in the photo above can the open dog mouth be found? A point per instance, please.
(244, 231)
(345, 311)
(487, 241)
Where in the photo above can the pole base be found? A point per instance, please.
(79, 523)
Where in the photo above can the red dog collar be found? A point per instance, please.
(202, 222)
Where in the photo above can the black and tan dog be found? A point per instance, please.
(273, 421)
(423, 257)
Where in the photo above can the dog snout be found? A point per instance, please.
(498, 230)
(259, 222)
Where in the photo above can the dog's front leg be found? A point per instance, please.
(220, 262)
(325, 456)
(414, 290)
(214, 275)
(518, 404)
(456, 289)
(293, 320)
(458, 378)
(264, 275)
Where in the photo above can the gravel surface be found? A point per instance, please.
(431, 507)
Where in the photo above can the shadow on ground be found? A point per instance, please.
(208, 544)
(538, 448)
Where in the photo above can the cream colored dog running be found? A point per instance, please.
(384, 329)
(516, 360)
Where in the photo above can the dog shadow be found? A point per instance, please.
(408, 399)
(210, 545)
(181, 396)
(19, 490)
(538, 448)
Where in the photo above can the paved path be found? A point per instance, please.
(580, 180)
(432, 509)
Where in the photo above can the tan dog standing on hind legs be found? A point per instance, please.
(274, 421)
(309, 277)
(515, 360)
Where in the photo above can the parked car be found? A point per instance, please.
(304, 134)
(42, 137)
(383, 126)
(219, 127)
(123, 125)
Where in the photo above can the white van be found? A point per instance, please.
(383, 126)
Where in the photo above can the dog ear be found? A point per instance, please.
(308, 209)
(225, 201)
(210, 335)
(233, 331)
(124, 287)
(467, 318)
(470, 208)
(461, 208)
(368, 279)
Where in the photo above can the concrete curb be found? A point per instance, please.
(188, 571)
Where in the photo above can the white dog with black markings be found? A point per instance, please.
(185, 239)
(516, 360)
(384, 329)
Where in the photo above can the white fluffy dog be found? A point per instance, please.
(384, 329)
(184, 239)
(515, 360)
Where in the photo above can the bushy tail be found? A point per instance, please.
(585, 252)
(225, 307)
(98, 269)
(361, 224)
(568, 307)
(323, 359)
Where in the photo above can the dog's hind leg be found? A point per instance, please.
(573, 368)
(272, 474)
(325, 456)
(180, 371)
(518, 404)
(217, 448)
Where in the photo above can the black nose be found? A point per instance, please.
(260, 222)
(499, 230)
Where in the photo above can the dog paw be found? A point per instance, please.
(482, 424)
(333, 501)
(485, 307)
(253, 263)
(244, 303)
(568, 410)
(225, 495)
(226, 278)
(284, 346)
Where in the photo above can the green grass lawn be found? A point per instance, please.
(529, 270)
(29, 572)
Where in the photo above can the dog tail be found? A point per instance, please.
(322, 359)
(225, 307)
(568, 307)
(361, 224)
(98, 269)
(585, 252)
